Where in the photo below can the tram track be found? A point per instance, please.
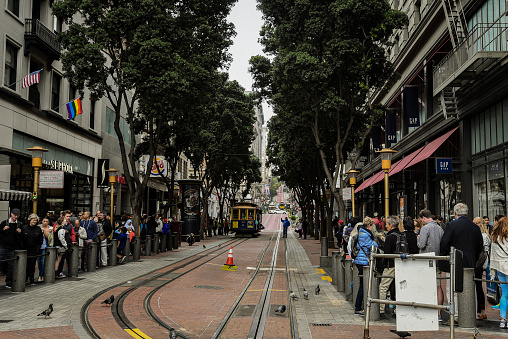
(117, 308)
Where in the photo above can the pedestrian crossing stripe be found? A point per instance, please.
(320, 270)
(136, 333)
(326, 278)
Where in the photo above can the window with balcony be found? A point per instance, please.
(13, 7)
(55, 92)
(11, 65)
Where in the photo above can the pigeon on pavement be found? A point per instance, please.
(190, 239)
(109, 301)
(318, 290)
(204, 246)
(305, 294)
(281, 309)
(293, 295)
(401, 334)
(47, 312)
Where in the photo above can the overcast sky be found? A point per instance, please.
(248, 21)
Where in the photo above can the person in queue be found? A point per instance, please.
(47, 231)
(61, 242)
(478, 274)
(90, 227)
(392, 236)
(32, 239)
(499, 264)
(10, 231)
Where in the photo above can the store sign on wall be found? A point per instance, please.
(59, 166)
(443, 165)
(51, 179)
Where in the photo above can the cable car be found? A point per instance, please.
(246, 219)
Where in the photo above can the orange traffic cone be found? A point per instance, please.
(229, 262)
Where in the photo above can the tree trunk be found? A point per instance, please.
(329, 217)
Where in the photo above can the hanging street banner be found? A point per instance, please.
(411, 106)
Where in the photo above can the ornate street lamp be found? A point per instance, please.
(112, 180)
(352, 174)
(37, 153)
(386, 164)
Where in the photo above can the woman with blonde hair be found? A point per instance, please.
(478, 274)
(499, 263)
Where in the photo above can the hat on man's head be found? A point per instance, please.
(341, 221)
(16, 211)
(375, 214)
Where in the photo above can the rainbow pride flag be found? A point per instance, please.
(74, 108)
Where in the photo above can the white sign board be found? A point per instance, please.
(415, 281)
(51, 179)
(346, 193)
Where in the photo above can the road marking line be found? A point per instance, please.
(320, 270)
(268, 290)
(326, 278)
(134, 333)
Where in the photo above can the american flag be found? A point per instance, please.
(32, 78)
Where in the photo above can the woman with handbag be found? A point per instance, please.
(499, 263)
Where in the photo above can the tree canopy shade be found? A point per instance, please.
(150, 59)
(327, 57)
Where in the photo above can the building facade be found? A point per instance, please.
(446, 113)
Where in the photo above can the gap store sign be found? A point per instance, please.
(443, 165)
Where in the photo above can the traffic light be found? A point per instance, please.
(34, 197)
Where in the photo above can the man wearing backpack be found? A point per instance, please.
(395, 243)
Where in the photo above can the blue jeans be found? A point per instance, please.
(8, 267)
(285, 232)
(359, 295)
(40, 263)
(504, 297)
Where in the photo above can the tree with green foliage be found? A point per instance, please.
(328, 56)
(150, 59)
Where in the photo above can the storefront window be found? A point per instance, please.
(496, 193)
(479, 192)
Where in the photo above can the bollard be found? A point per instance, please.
(136, 251)
(73, 260)
(49, 265)
(155, 244)
(92, 256)
(356, 284)
(340, 274)
(467, 301)
(148, 245)
(348, 279)
(169, 241)
(374, 307)
(112, 252)
(164, 243)
(324, 247)
(324, 260)
(175, 240)
(19, 275)
(335, 266)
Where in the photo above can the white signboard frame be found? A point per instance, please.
(415, 281)
(346, 193)
(51, 179)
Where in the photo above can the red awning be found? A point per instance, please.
(430, 148)
(401, 164)
(371, 181)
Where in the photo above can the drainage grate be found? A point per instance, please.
(5, 321)
(321, 324)
(209, 287)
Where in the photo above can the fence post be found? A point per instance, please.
(374, 307)
(112, 252)
(175, 240)
(340, 274)
(148, 245)
(348, 279)
(92, 256)
(356, 283)
(49, 265)
(164, 243)
(73, 260)
(324, 260)
(155, 246)
(335, 267)
(19, 275)
(467, 301)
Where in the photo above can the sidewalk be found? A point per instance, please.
(330, 315)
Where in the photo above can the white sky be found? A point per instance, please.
(248, 21)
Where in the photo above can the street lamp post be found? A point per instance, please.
(352, 181)
(112, 180)
(37, 153)
(386, 164)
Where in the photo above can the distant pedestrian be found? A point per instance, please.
(478, 274)
(305, 225)
(365, 242)
(122, 240)
(499, 264)
(226, 226)
(412, 242)
(285, 225)
(10, 233)
(32, 239)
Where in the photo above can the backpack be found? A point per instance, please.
(482, 258)
(354, 246)
(401, 247)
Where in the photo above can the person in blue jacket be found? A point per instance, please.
(365, 242)
(285, 225)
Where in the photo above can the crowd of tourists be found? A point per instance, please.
(484, 247)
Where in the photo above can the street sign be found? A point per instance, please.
(346, 194)
(51, 179)
(443, 165)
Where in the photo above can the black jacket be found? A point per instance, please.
(9, 238)
(151, 226)
(390, 247)
(106, 227)
(31, 238)
(412, 242)
(464, 235)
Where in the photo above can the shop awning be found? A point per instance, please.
(9, 195)
(430, 148)
(400, 165)
(371, 181)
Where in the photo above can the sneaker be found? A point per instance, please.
(359, 312)
(61, 275)
(32, 282)
(502, 324)
(496, 307)
(439, 318)
(8, 286)
(123, 259)
(40, 279)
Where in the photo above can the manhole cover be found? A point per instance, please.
(321, 324)
(209, 287)
(245, 310)
(5, 321)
